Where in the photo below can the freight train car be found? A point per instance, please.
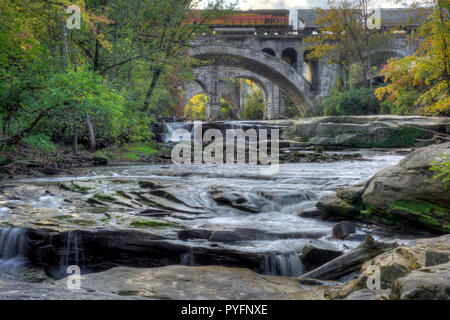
(397, 18)
(381, 18)
(253, 21)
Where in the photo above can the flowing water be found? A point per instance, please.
(13, 252)
(270, 204)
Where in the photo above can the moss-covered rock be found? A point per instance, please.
(336, 206)
(150, 224)
(408, 192)
(405, 194)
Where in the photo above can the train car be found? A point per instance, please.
(381, 18)
(252, 21)
(307, 19)
(398, 18)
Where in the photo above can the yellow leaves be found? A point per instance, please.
(436, 101)
(196, 107)
(426, 72)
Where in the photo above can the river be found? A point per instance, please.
(271, 204)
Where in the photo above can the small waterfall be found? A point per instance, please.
(13, 251)
(187, 259)
(169, 129)
(287, 265)
(73, 254)
(70, 252)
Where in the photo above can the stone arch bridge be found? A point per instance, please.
(276, 63)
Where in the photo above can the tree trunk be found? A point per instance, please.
(155, 78)
(75, 138)
(91, 134)
(350, 261)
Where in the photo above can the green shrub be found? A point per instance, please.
(442, 169)
(403, 106)
(40, 143)
(360, 101)
(254, 110)
(225, 110)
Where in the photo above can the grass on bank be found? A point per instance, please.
(128, 152)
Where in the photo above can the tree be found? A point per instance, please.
(196, 108)
(101, 84)
(424, 75)
(254, 109)
(344, 38)
(82, 94)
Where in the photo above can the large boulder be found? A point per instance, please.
(405, 194)
(424, 284)
(336, 206)
(317, 253)
(408, 192)
(398, 264)
(343, 229)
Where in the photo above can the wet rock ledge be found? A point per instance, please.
(382, 131)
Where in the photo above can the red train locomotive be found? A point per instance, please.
(253, 21)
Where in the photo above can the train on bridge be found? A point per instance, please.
(278, 21)
(252, 22)
(380, 19)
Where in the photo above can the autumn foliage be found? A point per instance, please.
(426, 74)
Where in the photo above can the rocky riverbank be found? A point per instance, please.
(418, 271)
(368, 131)
(303, 140)
(403, 194)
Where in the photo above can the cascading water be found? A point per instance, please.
(187, 259)
(13, 252)
(286, 265)
(73, 253)
(170, 128)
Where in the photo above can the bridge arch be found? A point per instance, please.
(226, 89)
(261, 64)
(190, 90)
(290, 56)
(269, 51)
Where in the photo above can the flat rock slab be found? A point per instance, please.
(196, 283)
(15, 290)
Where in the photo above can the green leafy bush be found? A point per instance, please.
(403, 106)
(360, 101)
(254, 109)
(225, 110)
(40, 143)
(442, 169)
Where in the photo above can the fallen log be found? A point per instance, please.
(351, 261)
